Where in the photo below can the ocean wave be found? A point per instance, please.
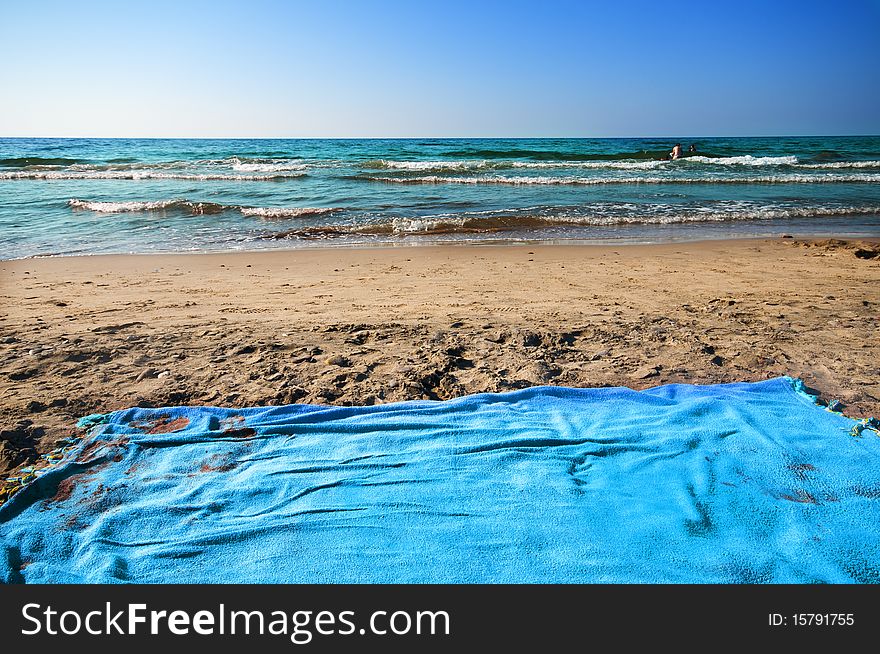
(843, 164)
(141, 175)
(265, 166)
(287, 212)
(123, 164)
(261, 155)
(862, 178)
(612, 165)
(198, 208)
(126, 165)
(452, 166)
(643, 164)
(671, 215)
(556, 155)
(487, 223)
(469, 165)
(744, 160)
(272, 169)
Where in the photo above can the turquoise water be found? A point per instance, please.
(88, 196)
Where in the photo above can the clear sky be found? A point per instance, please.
(269, 68)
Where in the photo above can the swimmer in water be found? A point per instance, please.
(676, 151)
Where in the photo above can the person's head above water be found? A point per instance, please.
(692, 148)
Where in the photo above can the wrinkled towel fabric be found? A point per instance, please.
(745, 482)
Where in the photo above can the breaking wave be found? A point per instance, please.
(270, 166)
(141, 175)
(556, 155)
(195, 208)
(862, 178)
(270, 169)
(459, 166)
(199, 208)
(645, 164)
(843, 164)
(744, 160)
(287, 212)
(500, 221)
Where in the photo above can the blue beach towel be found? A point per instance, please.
(749, 482)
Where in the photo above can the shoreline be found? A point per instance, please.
(424, 242)
(366, 325)
(391, 246)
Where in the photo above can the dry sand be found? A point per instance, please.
(361, 326)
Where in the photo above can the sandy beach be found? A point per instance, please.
(80, 335)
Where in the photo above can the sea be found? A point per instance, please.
(92, 196)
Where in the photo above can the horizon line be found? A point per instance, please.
(437, 138)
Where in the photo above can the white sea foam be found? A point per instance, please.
(385, 164)
(626, 164)
(195, 207)
(667, 215)
(121, 207)
(843, 164)
(466, 165)
(613, 165)
(511, 220)
(590, 181)
(287, 212)
(140, 175)
(270, 166)
(744, 160)
(123, 166)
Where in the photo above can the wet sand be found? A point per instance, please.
(81, 335)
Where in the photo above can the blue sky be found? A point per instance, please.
(398, 69)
